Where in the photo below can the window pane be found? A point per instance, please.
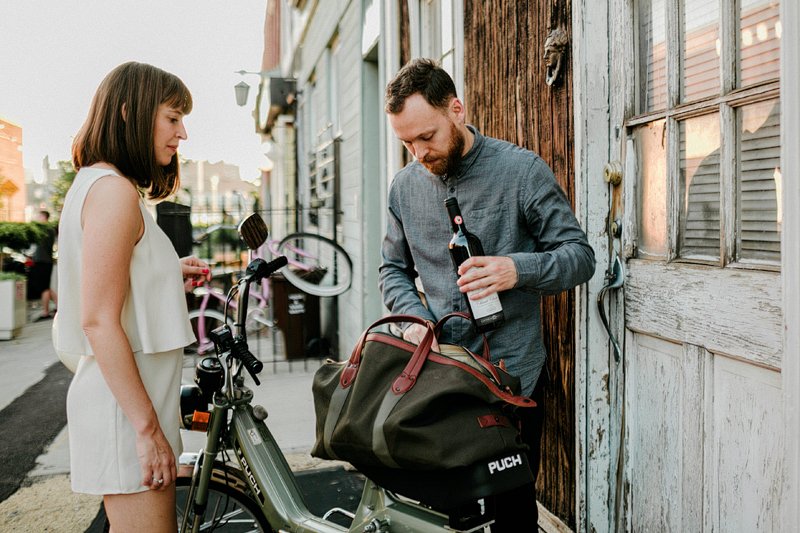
(699, 231)
(759, 190)
(652, 55)
(446, 25)
(759, 53)
(651, 157)
(701, 49)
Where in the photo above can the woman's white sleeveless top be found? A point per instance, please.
(154, 316)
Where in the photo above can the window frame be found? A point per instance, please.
(726, 104)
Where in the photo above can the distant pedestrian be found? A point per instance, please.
(122, 302)
(41, 271)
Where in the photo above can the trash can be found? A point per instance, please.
(297, 316)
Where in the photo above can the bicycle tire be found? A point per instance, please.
(233, 509)
(327, 269)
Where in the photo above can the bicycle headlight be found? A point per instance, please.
(208, 375)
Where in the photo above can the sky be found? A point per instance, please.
(54, 53)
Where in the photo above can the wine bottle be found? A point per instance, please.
(487, 313)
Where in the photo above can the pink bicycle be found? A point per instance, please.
(316, 265)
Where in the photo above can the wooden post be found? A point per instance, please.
(790, 254)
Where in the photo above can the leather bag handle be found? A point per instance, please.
(485, 360)
(437, 328)
(351, 369)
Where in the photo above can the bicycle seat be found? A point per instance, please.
(456, 487)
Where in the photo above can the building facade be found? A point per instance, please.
(12, 173)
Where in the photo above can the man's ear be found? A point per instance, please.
(124, 112)
(457, 108)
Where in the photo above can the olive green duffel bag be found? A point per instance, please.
(400, 405)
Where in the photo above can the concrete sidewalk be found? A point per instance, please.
(45, 502)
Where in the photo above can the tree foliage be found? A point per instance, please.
(20, 236)
(62, 184)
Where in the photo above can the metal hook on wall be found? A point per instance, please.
(615, 278)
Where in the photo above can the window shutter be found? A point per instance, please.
(699, 230)
(759, 181)
(701, 50)
(653, 55)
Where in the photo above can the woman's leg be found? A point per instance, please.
(152, 511)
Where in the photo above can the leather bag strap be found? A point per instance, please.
(508, 397)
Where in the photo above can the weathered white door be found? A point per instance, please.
(700, 399)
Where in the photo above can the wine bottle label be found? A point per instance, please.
(486, 306)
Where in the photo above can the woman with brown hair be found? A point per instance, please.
(122, 305)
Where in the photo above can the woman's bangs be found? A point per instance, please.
(177, 96)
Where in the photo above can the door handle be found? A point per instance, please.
(615, 278)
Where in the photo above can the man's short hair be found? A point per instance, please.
(423, 76)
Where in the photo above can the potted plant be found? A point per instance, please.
(14, 236)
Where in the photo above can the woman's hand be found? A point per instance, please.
(195, 272)
(156, 460)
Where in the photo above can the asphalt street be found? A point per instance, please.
(34, 473)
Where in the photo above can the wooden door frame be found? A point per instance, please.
(594, 144)
(790, 254)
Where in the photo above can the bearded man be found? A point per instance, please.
(509, 198)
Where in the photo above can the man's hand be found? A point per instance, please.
(486, 275)
(416, 332)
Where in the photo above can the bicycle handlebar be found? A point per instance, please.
(257, 270)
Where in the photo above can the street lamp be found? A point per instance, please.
(242, 88)
(276, 96)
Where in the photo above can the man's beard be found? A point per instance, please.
(449, 164)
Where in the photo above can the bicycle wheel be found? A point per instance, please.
(203, 323)
(229, 508)
(317, 265)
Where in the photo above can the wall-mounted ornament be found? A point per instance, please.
(555, 48)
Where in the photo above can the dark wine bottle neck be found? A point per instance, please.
(456, 220)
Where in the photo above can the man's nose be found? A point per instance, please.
(420, 151)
